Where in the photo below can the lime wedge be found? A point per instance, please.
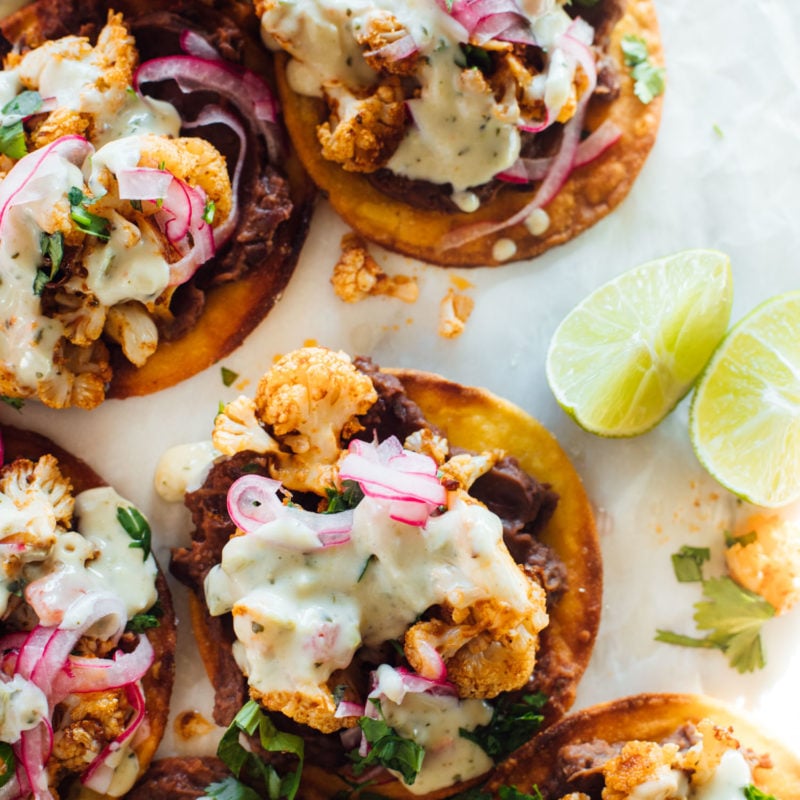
(745, 415)
(621, 360)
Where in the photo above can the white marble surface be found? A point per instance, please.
(724, 174)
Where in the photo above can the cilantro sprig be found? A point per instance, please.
(688, 563)
(12, 133)
(86, 221)
(648, 79)
(752, 792)
(139, 623)
(348, 497)
(248, 769)
(512, 724)
(137, 527)
(387, 749)
(14, 402)
(52, 249)
(8, 763)
(732, 615)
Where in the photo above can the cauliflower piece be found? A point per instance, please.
(314, 706)
(770, 565)
(357, 275)
(466, 468)
(78, 378)
(194, 161)
(643, 763)
(363, 132)
(133, 329)
(381, 28)
(488, 647)
(704, 758)
(80, 312)
(454, 311)
(428, 443)
(60, 122)
(236, 428)
(310, 400)
(90, 721)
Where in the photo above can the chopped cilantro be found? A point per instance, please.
(688, 563)
(511, 725)
(388, 749)
(734, 616)
(512, 793)
(754, 793)
(136, 205)
(136, 527)
(86, 221)
(8, 764)
(349, 497)
(14, 402)
(474, 57)
(12, 133)
(744, 540)
(230, 789)
(139, 623)
(209, 211)
(648, 78)
(718, 131)
(249, 770)
(228, 376)
(363, 572)
(52, 248)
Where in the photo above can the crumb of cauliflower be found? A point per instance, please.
(454, 311)
(703, 759)
(770, 565)
(639, 763)
(428, 443)
(237, 428)
(357, 275)
(381, 28)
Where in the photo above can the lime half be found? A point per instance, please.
(622, 359)
(745, 414)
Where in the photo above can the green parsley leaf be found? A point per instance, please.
(8, 763)
(648, 79)
(12, 132)
(688, 563)
(52, 248)
(349, 497)
(12, 140)
(228, 376)
(512, 793)
(511, 725)
(136, 527)
(86, 221)
(40, 280)
(754, 793)
(246, 766)
(139, 623)
(734, 616)
(744, 540)
(209, 211)
(230, 789)
(14, 402)
(23, 105)
(388, 749)
(473, 57)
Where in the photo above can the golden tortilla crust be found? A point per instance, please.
(649, 717)
(157, 682)
(477, 419)
(590, 193)
(231, 310)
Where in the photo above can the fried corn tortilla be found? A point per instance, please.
(213, 312)
(648, 717)
(590, 192)
(157, 681)
(478, 420)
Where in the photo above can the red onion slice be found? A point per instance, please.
(143, 183)
(401, 48)
(33, 750)
(194, 44)
(74, 149)
(485, 20)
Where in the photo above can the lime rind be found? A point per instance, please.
(625, 356)
(744, 420)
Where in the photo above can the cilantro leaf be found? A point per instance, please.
(734, 616)
(12, 140)
(648, 79)
(349, 497)
(688, 563)
(23, 105)
(754, 793)
(511, 725)
(228, 376)
(86, 221)
(230, 789)
(8, 763)
(744, 540)
(52, 248)
(209, 210)
(14, 402)
(139, 623)
(136, 526)
(12, 133)
(512, 793)
(247, 766)
(388, 749)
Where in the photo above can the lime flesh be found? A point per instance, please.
(622, 359)
(745, 414)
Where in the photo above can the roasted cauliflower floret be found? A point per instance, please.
(236, 428)
(357, 275)
(60, 122)
(314, 706)
(78, 378)
(310, 400)
(769, 565)
(466, 468)
(428, 443)
(380, 29)
(643, 762)
(80, 312)
(488, 647)
(133, 329)
(703, 759)
(363, 132)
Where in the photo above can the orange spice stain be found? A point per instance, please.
(191, 724)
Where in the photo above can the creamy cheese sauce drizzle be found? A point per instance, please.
(184, 468)
(460, 133)
(731, 776)
(23, 705)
